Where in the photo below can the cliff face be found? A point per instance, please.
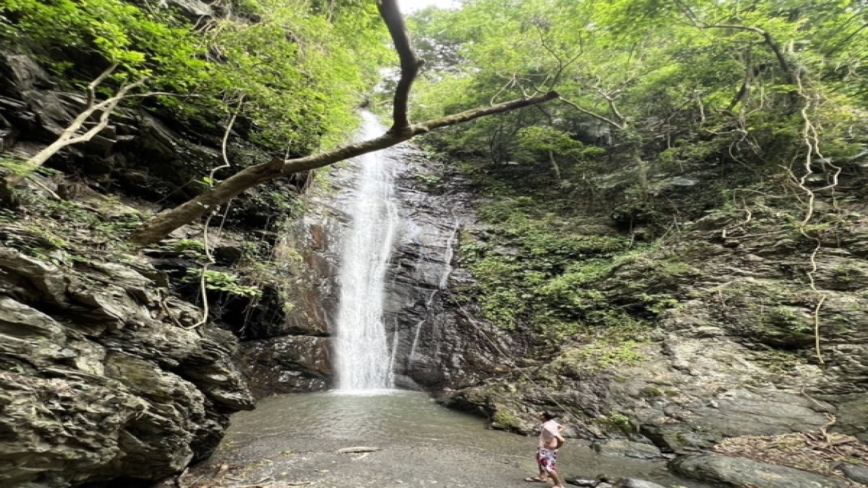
(103, 376)
(728, 327)
(105, 372)
(437, 345)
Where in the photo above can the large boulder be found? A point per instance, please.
(744, 473)
(102, 378)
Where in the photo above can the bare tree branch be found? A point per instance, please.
(91, 87)
(71, 135)
(226, 133)
(597, 116)
(159, 226)
(622, 121)
(410, 63)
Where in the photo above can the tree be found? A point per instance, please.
(159, 226)
(685, 82)
(129, 46)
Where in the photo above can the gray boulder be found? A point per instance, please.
(625, 448)
(744, 473)
(859, 474)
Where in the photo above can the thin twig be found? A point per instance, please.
(203, 286)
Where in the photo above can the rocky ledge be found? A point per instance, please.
(103, 377)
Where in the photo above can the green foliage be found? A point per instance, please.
(506, 419)
(618, 421)
(779, 361)
(299, 72)
(223, 282)
(194, 245)
(298, 68)
(601, 355)
(679, 86)
(543, 143)
(12, 164)
(430, 181)
(536, 273)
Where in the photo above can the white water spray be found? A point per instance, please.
(361, 348)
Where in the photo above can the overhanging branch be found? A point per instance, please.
(410, 63)
(162, 224)
(159, 226)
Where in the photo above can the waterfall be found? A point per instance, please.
(362, 355)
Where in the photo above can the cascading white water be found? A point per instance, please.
(361, 349)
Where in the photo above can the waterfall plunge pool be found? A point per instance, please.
(292, 439)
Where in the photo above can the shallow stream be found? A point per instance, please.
(291, 440)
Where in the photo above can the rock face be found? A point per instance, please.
(287, 364)
(138, 153)
(436, 345)
(100, 378)
(744, 473)
(625, 448)
(439, 343)
(859, 474)
(736, 357)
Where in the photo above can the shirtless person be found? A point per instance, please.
(550, 440)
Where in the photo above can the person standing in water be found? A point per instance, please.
(550, 440)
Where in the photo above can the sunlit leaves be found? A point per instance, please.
(655, 70)
(300, 67)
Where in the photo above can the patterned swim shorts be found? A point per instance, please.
(546, 460)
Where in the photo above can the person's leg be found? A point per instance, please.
(550, 466)
(543, 476)
(559, 483)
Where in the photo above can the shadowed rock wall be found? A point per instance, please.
(436, 346)
(102, 377)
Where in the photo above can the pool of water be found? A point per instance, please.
(295, 438)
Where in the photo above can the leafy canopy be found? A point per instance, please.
(297, 68)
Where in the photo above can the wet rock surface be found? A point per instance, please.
(287, 364)
(99, 382)
(437, 345)
(859, 474)
(744, 473)
(621, 447)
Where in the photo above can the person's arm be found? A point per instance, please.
(560, 441)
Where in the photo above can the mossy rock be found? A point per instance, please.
(785, 326)
(505, 418)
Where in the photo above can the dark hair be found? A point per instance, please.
(549, 415)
